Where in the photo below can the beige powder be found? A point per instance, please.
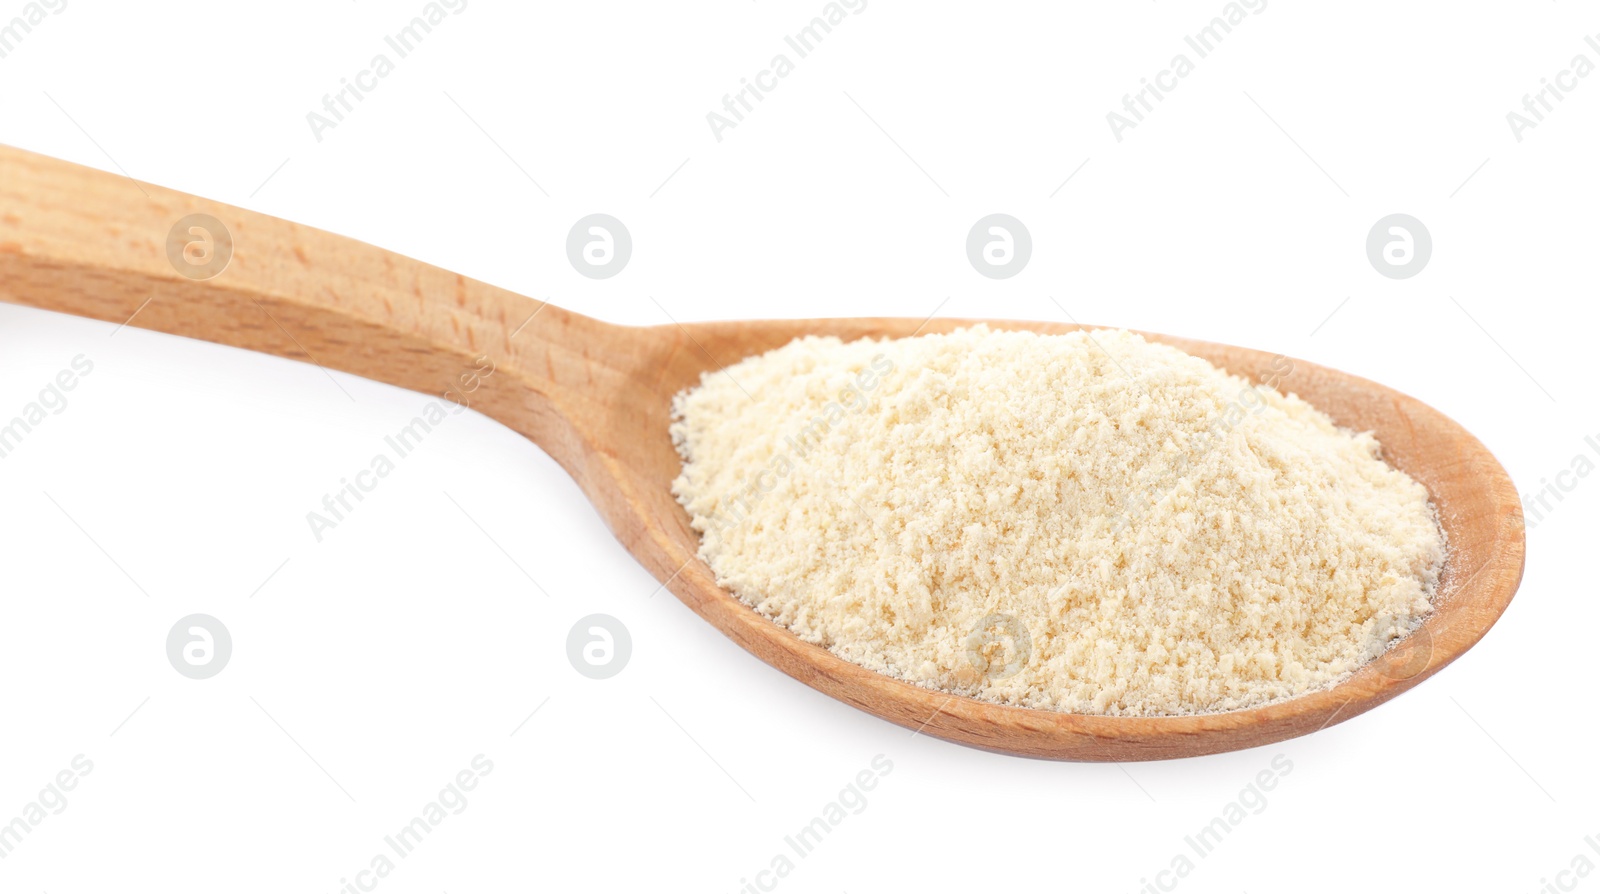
(1084, 522)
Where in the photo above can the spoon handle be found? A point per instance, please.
(99, 245)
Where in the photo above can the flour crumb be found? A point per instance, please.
(1087, 522)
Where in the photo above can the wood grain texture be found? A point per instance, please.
(596, 398)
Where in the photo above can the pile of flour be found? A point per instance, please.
(1087, 522)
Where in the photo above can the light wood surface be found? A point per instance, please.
(595, 397)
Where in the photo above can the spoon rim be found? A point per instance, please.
(1475, 598)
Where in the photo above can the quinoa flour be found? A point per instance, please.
(1085, 522)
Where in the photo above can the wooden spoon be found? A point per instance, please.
(595, 397)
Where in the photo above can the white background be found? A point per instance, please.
(374, 665)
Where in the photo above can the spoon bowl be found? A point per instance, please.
(597, 398)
